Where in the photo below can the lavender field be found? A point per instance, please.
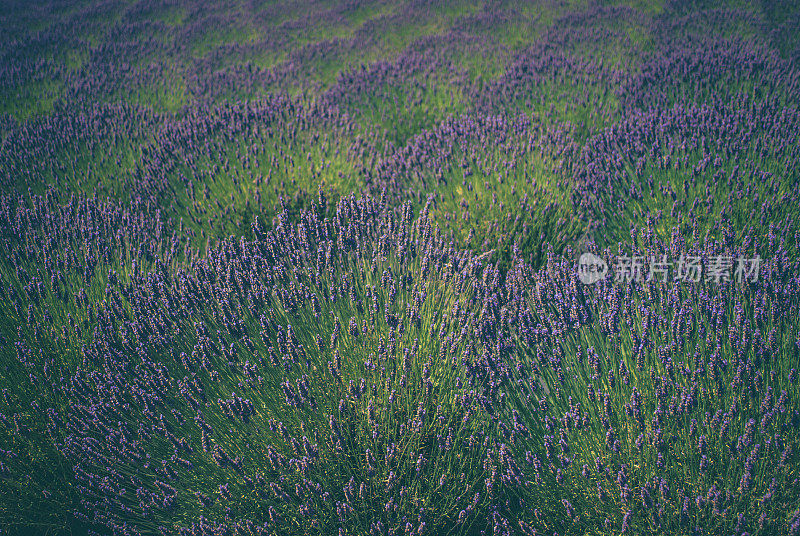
(399, 268)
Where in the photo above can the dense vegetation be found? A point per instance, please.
(313, 268)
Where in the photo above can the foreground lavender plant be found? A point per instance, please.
(654, 406)
(319, 376)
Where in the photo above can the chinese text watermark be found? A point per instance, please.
(687, 268)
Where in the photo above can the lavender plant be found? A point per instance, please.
(654, 406)
(316, 378)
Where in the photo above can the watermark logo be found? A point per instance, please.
(591, 268)
(687, 268)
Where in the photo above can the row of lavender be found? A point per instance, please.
(422, 124)
(358, 373)
(172, 54)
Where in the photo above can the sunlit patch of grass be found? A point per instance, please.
(321, 70)
(335, 22)
(453, 10)
(219, 192)
(393, 38)
(217, 37)
(404, 111)
(588, 108)
(362, 13)
(525, 209)
(640, 36)
(171, 15)
(170, 97)
(266, 59)
(727, 204)
(486, 66)
(394, 33)
(653, 8)
(489, 193)
(31, 100)
(550, 11)
(75, 59)
(518, 33)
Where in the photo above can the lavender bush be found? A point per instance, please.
(653, 406)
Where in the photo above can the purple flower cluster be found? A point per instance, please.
(670, 394)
